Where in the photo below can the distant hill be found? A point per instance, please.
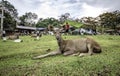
(74, 23)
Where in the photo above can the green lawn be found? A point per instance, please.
(15, 58)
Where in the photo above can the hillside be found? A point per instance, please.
(74, 23)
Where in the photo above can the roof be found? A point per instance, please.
(26, 27)
(29, 28)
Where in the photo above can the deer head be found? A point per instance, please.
(57, 34)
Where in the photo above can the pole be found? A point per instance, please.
(2, 20)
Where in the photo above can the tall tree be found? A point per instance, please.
(89, 22)
(117, 13)
(64, 17)
(110, 19)
(28, 19)
(10, 14)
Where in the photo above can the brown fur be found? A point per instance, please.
(81, 47)
(34, 35)
(13, 37)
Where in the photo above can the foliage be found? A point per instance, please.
(47, 21)
(28, 19)
(73, 23)
(15, 58)
(9, 22)
(89, 22)
(9, 8)
(64, 17)
(110, 19)
(10, 14)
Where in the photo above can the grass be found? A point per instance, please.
(74, 23)
(15, 58)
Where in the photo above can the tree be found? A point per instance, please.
(64, 17)
(110, 20)
(22, 20)
(28, 19)
(48, 21)
(89, 22)
(117, 13)
(10, 14)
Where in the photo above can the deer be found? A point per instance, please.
(81, 47)
(13, 37)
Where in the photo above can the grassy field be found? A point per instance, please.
(15, 58)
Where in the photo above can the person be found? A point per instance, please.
(4, 35)
(67, 26)
(37, 35)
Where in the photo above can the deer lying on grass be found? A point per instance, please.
(13, 37)
(81, 47)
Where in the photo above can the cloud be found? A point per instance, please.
(89, 10)
(54, 8)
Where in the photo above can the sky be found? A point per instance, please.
(55, 8)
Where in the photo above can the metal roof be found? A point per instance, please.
(26, 27)
(29, 28)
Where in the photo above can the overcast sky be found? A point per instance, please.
(76, 8)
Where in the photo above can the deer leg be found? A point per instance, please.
(90, 51)
(46, 55)
(83, 54)
(75, 54)
(69, 52)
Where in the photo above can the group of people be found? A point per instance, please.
(64, 29)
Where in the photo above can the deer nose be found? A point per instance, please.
(57, 38)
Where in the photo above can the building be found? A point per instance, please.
(26, 30)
